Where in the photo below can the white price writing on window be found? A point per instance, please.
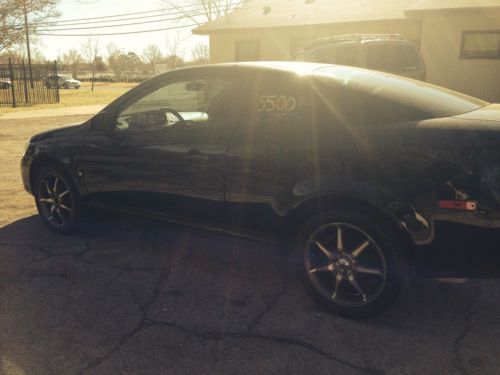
(277, 103)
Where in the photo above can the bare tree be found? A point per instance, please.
(90, 49)
(175, 53)
(12, 27)
(202, 11)
(115, 60)
(15, 54)
(200, 54)
(73, 59)
(152, 55)
(38, 56)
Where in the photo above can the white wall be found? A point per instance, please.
(441, 43)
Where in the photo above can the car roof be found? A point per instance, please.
(297, 67)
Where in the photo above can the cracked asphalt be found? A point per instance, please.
(129, 296)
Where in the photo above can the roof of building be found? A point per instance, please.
(437, 5)
(289, 13)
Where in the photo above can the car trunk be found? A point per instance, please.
(489, 113)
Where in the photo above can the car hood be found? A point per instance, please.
(66, 130)
(71, 81)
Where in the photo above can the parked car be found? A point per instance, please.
(353, 165)
(4, 84)
(61, 81)
(384, 52)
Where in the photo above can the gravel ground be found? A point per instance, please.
(127, 296)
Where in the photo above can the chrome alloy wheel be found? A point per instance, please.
(345, 264)
(55, 200)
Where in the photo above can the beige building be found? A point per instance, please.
(459, 39)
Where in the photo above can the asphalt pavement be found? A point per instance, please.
(132, 296)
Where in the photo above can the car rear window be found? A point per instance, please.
(392, 57)
(424, 99)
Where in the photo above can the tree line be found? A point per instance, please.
(114, 60)
(90, 56)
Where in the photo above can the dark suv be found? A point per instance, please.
(352, 165)
(389, 53)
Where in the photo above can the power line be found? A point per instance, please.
(124, 33)
(121, 25)
(178, 18)
(56, 23)
(54, 27)
(177, 11)
(116, 15)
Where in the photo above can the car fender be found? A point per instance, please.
(344, 189)
(44, 153)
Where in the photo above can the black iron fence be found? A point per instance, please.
(22, 84)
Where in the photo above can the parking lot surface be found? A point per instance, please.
(125, 295)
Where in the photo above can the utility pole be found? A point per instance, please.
(28, 42)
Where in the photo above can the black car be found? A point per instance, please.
(355, 166)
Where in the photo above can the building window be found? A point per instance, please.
(248, 50)
(480, 45)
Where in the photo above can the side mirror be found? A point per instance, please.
(103, 122)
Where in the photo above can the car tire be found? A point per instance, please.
(362, 274)
(57, 199)
(65, 86)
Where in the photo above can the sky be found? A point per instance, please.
(53, 46)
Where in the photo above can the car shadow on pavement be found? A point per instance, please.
(129, 295)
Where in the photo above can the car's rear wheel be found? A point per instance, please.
(57, 199)
(353, 264)
(65, 86)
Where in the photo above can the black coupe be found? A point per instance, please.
(355, 166)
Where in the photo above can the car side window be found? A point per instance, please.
(184, 102)
(278, 110)
(348, 108)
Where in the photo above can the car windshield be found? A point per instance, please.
(423, 97)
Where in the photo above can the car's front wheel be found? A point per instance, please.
(354, 264)
(57, 199)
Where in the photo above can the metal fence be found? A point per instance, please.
(22, 84)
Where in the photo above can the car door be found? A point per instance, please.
(266, 152)
(168, 150)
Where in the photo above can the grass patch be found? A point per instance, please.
(103, 93)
